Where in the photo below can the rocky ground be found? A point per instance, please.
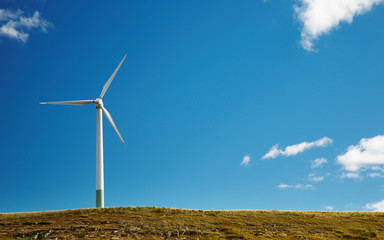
(166, 223)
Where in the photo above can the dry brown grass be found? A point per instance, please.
(167, 223)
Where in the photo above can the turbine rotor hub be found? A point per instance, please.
(99, 103)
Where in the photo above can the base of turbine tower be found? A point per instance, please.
(99, 198)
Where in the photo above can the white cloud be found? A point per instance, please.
(9, 30)
(7, 14)
(297, 186)
(283, 185)
(246, 160)
(35, 22)
(319, 17)
(312, 177)
(375, 175)
(15, 26)
(369, 153)
(318, 162)
(351, 175)
(328, 208)
(297, 148)
(376, 168)
(376, 207)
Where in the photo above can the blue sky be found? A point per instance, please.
(222, 104)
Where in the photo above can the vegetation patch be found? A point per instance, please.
(170, 223)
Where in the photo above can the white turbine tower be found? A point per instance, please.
(99, 133)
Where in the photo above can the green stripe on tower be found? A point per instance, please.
(99, 198)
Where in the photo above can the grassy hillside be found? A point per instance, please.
(166, 223)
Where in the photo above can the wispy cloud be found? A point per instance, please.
(297, 148)
(318, 162)
(319, 17)
(14, 25)
(375, 175)
(313, 178)
(376, 206)
(297, 186)
(369, 153)
(246, 160)
(352, 175)
(328, 208)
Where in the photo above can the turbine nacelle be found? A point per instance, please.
(99, 103)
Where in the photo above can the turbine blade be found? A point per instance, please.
(77, 102)
(109, 117)
(106, 85)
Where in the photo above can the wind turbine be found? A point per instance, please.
(99, 133)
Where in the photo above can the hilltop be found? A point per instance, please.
(168, 223)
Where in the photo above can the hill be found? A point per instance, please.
(168, 223)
